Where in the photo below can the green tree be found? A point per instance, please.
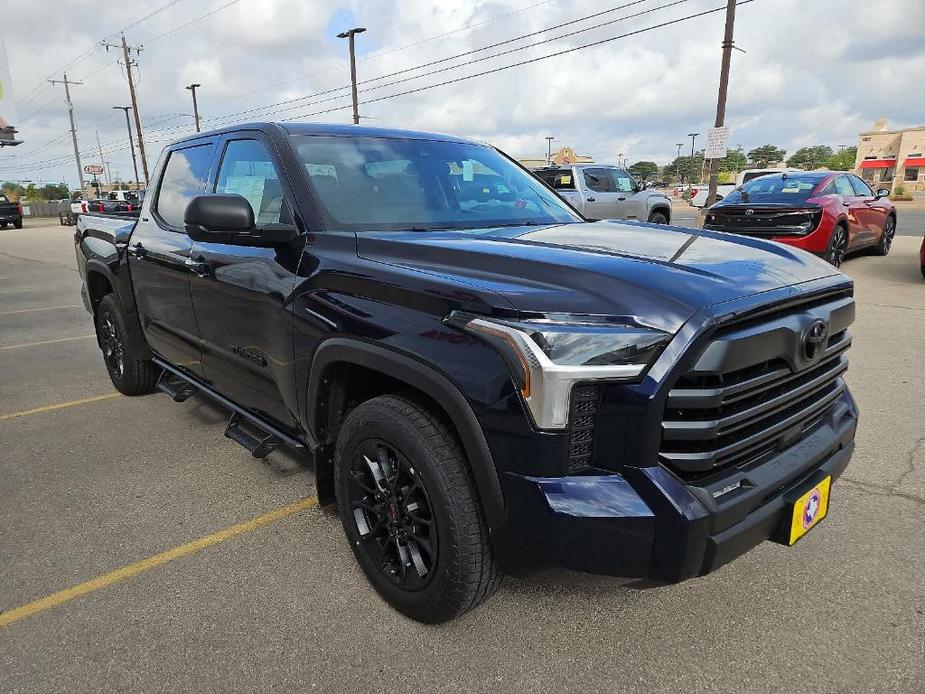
(32, 194)
(733, 161)
(810, 157)
(12, 191)
(766, 155)
(644, 170)
(54, 191)
(843, 159)
(689, 168)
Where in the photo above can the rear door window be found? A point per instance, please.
(843, 187)
(182, 180)
(558, 179)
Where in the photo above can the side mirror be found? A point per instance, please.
(883, 193)
(642, 185)
(223, 218)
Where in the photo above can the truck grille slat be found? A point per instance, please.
(759, 402)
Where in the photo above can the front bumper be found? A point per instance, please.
(648, 524)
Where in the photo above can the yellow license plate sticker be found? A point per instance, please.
(809, 509)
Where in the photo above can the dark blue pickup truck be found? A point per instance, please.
(485, 381)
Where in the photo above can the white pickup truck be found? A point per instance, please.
(699, 193)
(600, 191)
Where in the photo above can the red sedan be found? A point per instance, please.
(828, 213)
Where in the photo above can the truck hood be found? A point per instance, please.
(654, 275)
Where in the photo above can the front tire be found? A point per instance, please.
(886, 238)
(130, 373)
(408, 506)
(658, 218)
(838, 246)
(18, 224)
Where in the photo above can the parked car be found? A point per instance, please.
(700, 193)
(484, 381)
(606, 192)
(827, 213)
(10, 213)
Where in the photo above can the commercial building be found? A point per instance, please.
(566, 155)
(892, 158)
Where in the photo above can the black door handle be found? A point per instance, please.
(590, 199)
(198, 267)
(846, 204)
(138, 251)
(621, 199)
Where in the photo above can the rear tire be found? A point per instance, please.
(886, 238)
(838, 246)
(130, 373)
(409, 509)
(18, 224)
(658, 218)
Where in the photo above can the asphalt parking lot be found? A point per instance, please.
(92, 482)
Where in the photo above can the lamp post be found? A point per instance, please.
(692, 136)
(549, 139)
(349, 34)
(679, 145)
(192, 88)
(131, 144)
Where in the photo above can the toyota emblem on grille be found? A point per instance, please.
(749, 213)
(814, 339)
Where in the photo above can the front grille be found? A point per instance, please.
(582, 419)
(751, 392)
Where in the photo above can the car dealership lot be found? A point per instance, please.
(105, 482)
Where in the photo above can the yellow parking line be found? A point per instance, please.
(43, 308)
(48, 342)
(113, 577)
(58, 406)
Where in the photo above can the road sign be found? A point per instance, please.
(717, 143)
(93, 169)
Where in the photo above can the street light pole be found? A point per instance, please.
(131, 144)
(549, 139)
(723, 89)
(349, 34)
(692, 136)
(679, 145)
(192, 88)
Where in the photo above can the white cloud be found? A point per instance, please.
(814, 72)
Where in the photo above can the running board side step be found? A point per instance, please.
(259, 447)
(177, 388)
(175, 383)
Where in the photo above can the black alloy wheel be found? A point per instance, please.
(393, 515)
(838, 246)
(658, 218)
(886, 238)
(111, 344)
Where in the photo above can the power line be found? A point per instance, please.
(189, 23)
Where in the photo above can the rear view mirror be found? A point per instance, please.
(223, 218)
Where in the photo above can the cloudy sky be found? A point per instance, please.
(814, 71)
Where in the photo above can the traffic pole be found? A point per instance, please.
(721, 96)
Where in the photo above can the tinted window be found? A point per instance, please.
(182, 179)
(560, 180)
(790, 188)
(390, 183)
(861, 188)
(599, 180)
(248, 170)
(911, 174)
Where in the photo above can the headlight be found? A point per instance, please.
(547, 357)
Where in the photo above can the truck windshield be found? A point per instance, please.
(391, 184)
(788, 188)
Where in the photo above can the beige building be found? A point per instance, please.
(566, 155)
(892, 158)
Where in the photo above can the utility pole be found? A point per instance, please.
(99, 148)
(349, 34)
(692, 136)
(192, 88)
(549, 139)
(126, 50)
(131, 144)
(679, 145)
(70, 113)
(721, 97)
